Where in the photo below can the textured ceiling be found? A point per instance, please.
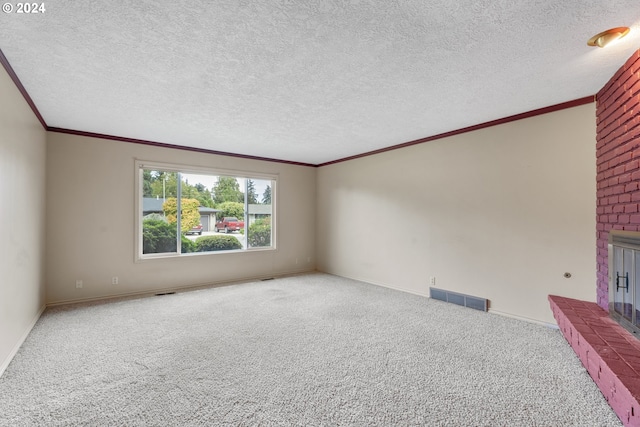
(307, 81)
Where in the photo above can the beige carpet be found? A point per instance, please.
(306, 351)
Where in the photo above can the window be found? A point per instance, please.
(187, 210)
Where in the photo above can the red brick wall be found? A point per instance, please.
(618, 160)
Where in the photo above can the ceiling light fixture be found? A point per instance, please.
(606, 37)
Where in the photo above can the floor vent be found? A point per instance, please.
(165, 293)
(459, 299)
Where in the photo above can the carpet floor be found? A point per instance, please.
(308, 350)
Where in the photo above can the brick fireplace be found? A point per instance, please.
(618, 162)
(609, 352)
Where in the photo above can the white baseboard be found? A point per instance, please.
(382, 285)
(25, 334)
(195, 286)
(499, 313)
(525, 319)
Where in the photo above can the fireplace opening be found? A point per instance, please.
(624, 279)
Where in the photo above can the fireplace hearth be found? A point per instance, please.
(608, 352)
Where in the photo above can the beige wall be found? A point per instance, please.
(22, 213)
(500, 213)
(91, 220)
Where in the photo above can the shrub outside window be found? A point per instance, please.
(188, 210)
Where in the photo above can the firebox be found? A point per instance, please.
(624, 279)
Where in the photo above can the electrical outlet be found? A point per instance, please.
(432, 280)
(114, 280)
(308, 259)
(78, 284)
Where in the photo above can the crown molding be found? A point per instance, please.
(5, 63)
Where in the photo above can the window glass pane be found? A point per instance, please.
(625, 283)
(196, 188)
(259, 213)
(212, 228)
(228, 199)
(159, 233)
(200, 212)
(195, 196)
(617, 294)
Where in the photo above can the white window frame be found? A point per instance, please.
(140, 165)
